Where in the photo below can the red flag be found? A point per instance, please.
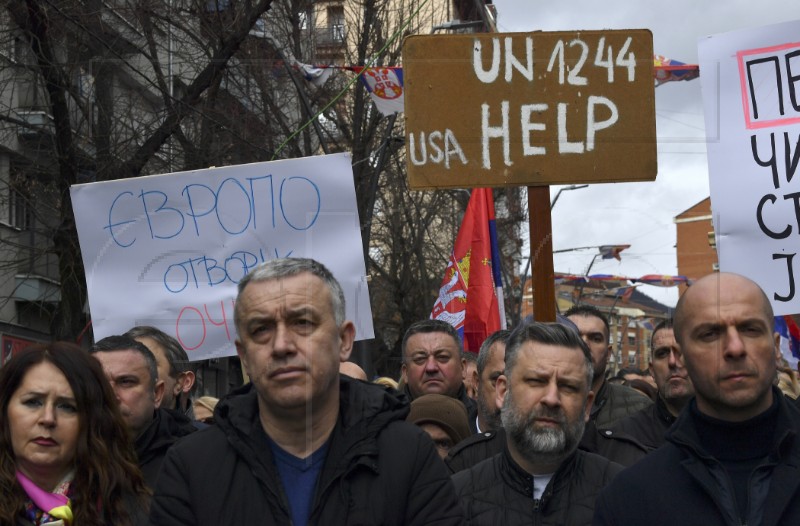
(467, 298)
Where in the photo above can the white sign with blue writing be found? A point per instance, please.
(168, 250)
(751, 96)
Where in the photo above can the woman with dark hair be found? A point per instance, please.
(65, 454)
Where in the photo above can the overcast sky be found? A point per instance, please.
(641, 214)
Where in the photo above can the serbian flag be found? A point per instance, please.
(790, 339)
(669, 70)
(385, 86)
(661, 280)
(612, 251)
(470, 297)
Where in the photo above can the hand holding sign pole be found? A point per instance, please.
(530, 109)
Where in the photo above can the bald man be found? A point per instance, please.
(353, 370)
(732, 456)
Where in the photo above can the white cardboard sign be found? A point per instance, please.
(168, 250)
(751, 95)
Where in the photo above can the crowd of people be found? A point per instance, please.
(531, 430)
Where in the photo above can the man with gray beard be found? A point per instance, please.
(540, 477)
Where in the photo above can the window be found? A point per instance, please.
(305, 19)
(19, 214)
(336, 23)
(631, 357)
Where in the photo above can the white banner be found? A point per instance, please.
(168, 250)
(751, 96)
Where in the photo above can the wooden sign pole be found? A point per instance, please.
(541, 231)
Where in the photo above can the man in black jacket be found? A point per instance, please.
(174, 367)
(541, 477)
(433, 364)
(612, 402)
(630, 439)
(302, 444)
(732, 456)
(131, 369)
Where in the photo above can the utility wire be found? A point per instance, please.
(355, 79)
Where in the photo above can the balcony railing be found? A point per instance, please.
(333, 35)
(38, 123)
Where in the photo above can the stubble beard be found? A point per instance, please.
(489, 411)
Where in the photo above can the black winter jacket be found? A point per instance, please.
(613, 402)
(499, 492)
(475, 449)
(633, 437)
(152, 444)
(693, 488)
(379, 469)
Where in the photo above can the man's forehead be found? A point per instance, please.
(156, 348)
(292, 292)
(536, 356)
(664, 337)
(431, 341)
(497, 352)
(126, 361)
(587, 323)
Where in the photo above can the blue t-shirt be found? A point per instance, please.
(299, 477)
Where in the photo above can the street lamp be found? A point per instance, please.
(571, 187)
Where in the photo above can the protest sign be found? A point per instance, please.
(529, 108)
(169, 250)
(751, 96)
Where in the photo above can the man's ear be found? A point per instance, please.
(185, 382)
(463, 369)
(500, 390)
(158, 393)
(347, 333)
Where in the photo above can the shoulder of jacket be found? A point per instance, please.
(476, 477)
(471, 442)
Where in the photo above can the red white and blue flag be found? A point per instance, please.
(612, 251)
(662, 280)
(790, 339)
(471, 295)
(385, 86)
(669, 70)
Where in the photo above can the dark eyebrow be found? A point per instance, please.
(126, 377)
(39, 394)
(753, 321)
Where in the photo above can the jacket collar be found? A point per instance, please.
(522, 482)
(600, 398)
(364, 410)
(683, 432)
(663, 411)
(164, 429)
